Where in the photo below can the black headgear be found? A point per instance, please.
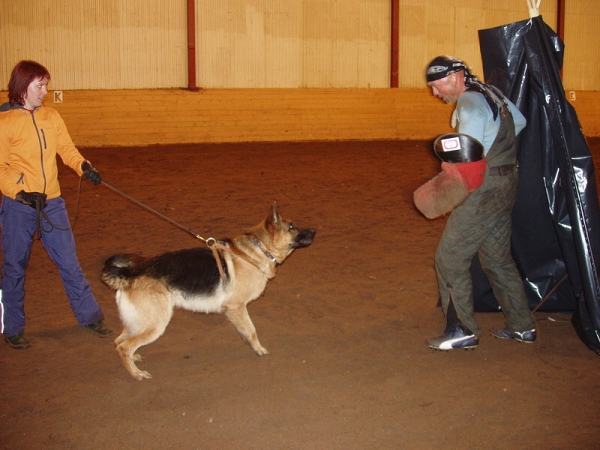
(442, 66)
(457, 147)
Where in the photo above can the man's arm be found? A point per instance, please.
(519, 118)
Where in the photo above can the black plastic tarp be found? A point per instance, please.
(556, 219)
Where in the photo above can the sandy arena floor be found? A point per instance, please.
(345, 321)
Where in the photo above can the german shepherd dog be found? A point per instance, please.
(148, 289)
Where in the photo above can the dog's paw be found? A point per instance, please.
(261, 351)
(136, 357)
(141, 375)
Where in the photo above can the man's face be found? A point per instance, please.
(446, 88)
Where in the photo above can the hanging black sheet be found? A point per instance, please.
(556, 219)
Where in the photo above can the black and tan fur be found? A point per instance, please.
(148, 289)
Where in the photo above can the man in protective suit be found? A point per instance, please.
(481, 223)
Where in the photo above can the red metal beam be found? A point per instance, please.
(560, 24)
(560, 19)
(395, 43)
(191, 44)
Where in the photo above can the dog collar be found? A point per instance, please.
(262, 248)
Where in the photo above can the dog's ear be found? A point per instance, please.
(272, 221)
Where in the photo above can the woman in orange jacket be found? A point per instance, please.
(31, 135)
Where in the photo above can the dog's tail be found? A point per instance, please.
(120, 270)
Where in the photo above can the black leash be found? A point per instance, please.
(153, 211)
(40, 213)
(211, 243)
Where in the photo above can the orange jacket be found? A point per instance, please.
(29, 143)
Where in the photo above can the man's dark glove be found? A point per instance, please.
(32, 199)
(90, 173)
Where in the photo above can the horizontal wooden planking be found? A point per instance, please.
(177, 116)
(586, 106)
(237, 115)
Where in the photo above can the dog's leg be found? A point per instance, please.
(241, 320)
(124, 335)
(121, 337)
(145, 311)
(127, 348)
(128, 360)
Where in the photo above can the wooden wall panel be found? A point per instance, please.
(429, 28)
(581, 67)
(112, 44)
(296, 43)
(586, 106)
(123, 118)
(148, 117)
(97, 44)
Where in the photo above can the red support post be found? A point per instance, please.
(395, 12)
(191, 44)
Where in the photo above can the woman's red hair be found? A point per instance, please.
(21, 77)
